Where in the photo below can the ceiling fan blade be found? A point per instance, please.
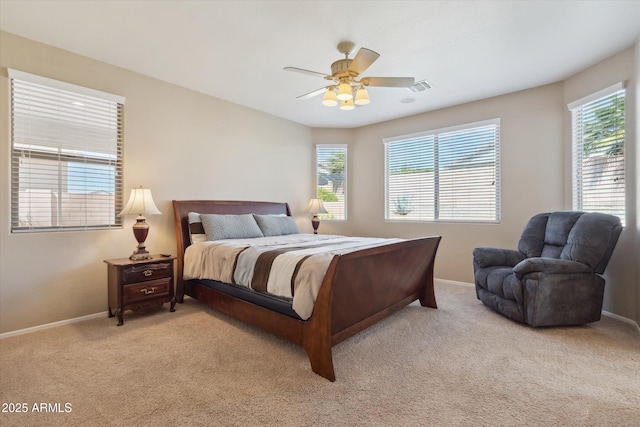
(312, 94)
(363, 60)
(388, 81)
(303, 71)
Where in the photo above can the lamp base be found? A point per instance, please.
(140, 254)
(140, 231)
(315, 223)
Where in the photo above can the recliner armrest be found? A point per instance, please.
(549, 266)
(488, 257)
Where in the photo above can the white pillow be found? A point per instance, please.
(196, 231)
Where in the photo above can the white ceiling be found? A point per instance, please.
(236, 50)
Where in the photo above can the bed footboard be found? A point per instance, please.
(364, 287)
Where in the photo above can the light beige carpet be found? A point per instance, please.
(459, 365)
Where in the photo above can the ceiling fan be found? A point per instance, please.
(348, 85)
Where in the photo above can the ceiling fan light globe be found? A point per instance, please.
(347, 105)
(362, 97)
(330, 99)
(344, 92)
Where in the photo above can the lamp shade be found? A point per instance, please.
(347, 105)
(330, 99)
(344, 91)
(362, 97)
(315, 206)
(140, 203)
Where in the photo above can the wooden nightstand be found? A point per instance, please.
(140, 284)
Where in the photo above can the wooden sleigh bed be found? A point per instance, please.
(359, 288)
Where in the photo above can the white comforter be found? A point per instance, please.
(295, 271)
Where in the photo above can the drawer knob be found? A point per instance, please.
(148, 291)
(148, 273)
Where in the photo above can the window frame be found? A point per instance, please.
(577, 110)
(63, 158)
(344, 147)
(437, 188)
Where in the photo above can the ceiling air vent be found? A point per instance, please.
(420, 86)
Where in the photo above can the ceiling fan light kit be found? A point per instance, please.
(345, 74)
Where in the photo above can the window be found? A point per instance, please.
(66, 156)
(450, 174)
(598, 132)
(331, 180)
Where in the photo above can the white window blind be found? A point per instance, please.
(331, 180)
(598, 134)
(66, 155)
(450, 174)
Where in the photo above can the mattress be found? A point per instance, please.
(290, 267)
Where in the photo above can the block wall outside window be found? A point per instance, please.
(450, 174)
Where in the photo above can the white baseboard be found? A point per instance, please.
(622, 319)
(454, 282)
(95, 315)
(52, 325)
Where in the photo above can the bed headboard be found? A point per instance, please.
(181, 209)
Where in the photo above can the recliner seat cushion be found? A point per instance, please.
(503, 282)
(506, 307)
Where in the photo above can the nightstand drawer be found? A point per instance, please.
(146, 290)
(143, 272)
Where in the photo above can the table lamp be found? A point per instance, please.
(140, 203)
(315, 207)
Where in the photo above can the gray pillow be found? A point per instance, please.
(219, 227)
(276, 225)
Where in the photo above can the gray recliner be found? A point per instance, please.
(554, 276)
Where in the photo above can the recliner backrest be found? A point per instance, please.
(589, 238)
(592, 240)
(557, 232)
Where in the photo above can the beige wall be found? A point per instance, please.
(179, 143)
(530, 167)
(186, 145)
